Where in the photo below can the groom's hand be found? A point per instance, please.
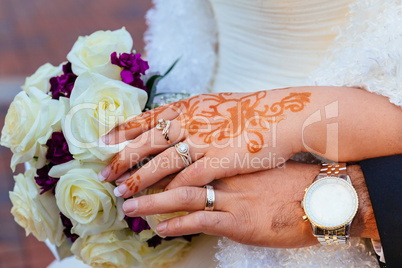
(261, 208)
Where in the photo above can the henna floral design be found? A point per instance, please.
(234, 116)
(231, 116)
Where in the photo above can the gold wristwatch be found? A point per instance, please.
(330, 204)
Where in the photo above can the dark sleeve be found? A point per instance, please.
(384, 183)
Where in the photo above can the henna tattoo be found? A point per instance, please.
(234, 116)
(132, 183)
(231, 116)
(115, 164)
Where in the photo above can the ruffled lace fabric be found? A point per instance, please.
(368, 52)
(358, 254)
(182, 29)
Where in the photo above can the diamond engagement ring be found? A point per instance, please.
(183, 150)
(164, 126)
(210, 202)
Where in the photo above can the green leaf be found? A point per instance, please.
(151, 85)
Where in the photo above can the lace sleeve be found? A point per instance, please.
(368, 52)
(185, 30)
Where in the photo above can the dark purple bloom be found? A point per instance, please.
(157, 240)
(43, 179)
(131, 62)
(137, 224)
(133, 66)
(61, 86)
(58, 152)
(67, 228)
(154, 241)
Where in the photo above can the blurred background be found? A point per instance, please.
(33, 32)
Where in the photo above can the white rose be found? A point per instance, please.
(36, 213)
(98, 104)
(121, 249)
(113, 249)
(88, 203)
(165, 254)
(30, 120)
(93, 52)
(40, 79)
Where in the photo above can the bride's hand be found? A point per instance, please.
(226, 133)
(261, 208)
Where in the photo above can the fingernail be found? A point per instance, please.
(105, 139)
(120, 190)
(130, 206)
(104, 173)
(161, 227)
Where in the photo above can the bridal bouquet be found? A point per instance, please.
(54, 124)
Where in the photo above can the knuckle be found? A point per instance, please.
(143, 140)
(201, 220)
(178, 224)
(185, 177)
(147, 202)
(185, 195)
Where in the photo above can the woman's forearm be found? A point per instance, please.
(346, 124)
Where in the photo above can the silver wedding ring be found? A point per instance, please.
(210, 202)
(183, 150)
(164, 126)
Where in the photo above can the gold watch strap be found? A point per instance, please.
(334, 169)
(331, 239)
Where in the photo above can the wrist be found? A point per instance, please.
(364, 224)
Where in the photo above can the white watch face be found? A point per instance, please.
(330, 202)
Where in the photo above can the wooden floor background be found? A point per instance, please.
(33, 32)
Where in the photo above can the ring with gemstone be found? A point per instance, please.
(210, 200)
(183, 150)
(164, 126)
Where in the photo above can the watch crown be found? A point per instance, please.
(305, 218)
(302, 204)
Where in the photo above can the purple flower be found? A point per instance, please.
(154, 241)
(131, 62)
(157, 240)
(137, 224)
(43, 179)
(58, 152)
(61, 86)
(133, 66)
(67, 228)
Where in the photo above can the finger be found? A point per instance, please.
(201, 173)
(180, 199)
(139, 124)
(148, 143)
(162, 183)
(166, 163)
(125, 176)
(208, 222)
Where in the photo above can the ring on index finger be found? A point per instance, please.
(164, 125)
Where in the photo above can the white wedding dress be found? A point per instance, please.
(250, 45)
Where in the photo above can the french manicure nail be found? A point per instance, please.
(105, 139)
(130, 205)
(104, 174)
(161, 227)
(120, 190)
